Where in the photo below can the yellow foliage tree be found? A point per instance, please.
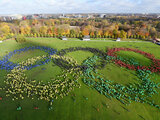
(85, 32)
(5, 29)
(27, 29)
(43, 30)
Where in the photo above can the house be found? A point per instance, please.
(86, 38)
(118, 39)
(102, 15)
(64, 38)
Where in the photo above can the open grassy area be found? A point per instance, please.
(81, 109)
(119, 75)
(132, 55)
(76, 54)
(25, 55)
(44, 73)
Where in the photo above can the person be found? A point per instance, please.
(36, 108)
(85, 97)
(0, 98)
(74, 99)
(50, 108)
(19, 108)
(107, 105)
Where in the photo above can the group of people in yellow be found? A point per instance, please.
(19, 87)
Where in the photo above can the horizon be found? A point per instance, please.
(78, 13)
(74, 7)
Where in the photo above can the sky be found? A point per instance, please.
(78, 6)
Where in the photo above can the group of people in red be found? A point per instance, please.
(154, 67)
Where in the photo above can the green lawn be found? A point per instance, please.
(119, 75)
(79, 59)
(25, 55)
(132, 55)
(44, 73)
(81, 109)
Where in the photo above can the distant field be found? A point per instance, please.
(81, 109)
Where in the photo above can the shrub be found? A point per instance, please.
(20, 39)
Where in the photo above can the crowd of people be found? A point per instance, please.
(19, 87)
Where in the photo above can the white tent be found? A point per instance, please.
(64, 38)
(118, 39)
(1, 41)
(86, 38)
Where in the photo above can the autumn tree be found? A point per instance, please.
(43, 30)
(123, 34)
(33, 30)
(115, 33)
(5, 29)
(153, 32)
(85, 32)
(27, 29)
(21, 30)
(106, 33)
(92, 34)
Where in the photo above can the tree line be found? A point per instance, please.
(77, 28)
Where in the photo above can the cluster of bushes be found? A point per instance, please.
(4, 37)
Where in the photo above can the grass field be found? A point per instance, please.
(81, 109)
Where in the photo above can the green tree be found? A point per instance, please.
(20, 39)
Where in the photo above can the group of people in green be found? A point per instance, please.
(125, 94)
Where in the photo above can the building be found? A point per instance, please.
(64, 38)
(158, 16)
(17, 17)
(86, 38)
(118, 40)
(102, 15)
(29, 17)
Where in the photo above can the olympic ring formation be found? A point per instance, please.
(125, 94)
(5, 64)
(154, 67)
(92, 50)
(18, 86)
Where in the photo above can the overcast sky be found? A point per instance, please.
(79, 6)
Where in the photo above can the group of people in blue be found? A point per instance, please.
(5, 64)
